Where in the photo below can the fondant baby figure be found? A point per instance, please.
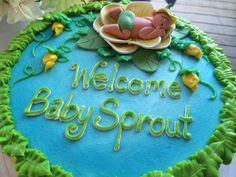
(130, 26)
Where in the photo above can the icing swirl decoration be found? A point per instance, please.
(138, 24)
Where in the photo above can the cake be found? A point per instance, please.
(116, 89)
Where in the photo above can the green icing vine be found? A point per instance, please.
(166, 55)
(205, 162)
(55, 54)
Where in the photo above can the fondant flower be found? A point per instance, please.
(123, 19)
(55, 54)
(19, 10)
(57, 27)
(49, 61)
(194, 51)
(191, 80)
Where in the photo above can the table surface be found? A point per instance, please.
(216, 17)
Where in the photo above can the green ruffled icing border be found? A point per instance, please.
(204, 163)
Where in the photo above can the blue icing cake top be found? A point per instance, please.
(93, 155)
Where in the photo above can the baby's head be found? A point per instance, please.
(162, 20)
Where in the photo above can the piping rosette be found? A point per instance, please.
(132, 11)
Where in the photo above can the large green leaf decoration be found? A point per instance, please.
(157, 174)
(180, 33)
(106, 52)
(124, 57)
(57, 171)
(14, 144)
(223, 141)
(34, 163)
(91, 41)
(187, 168)
(146, 60)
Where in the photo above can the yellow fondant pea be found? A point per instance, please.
(191, 80)
(57, 27)
(194, 51)
(49, 61)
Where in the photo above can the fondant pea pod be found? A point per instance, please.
(191, 80)
(193, 50)
(49, 61)
(58, 28)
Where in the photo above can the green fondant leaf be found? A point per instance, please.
(106, 52)
(89, 17)
(124, 57)
(179, 44)
(187, 168)
(57, 171)
(82, 31)
(14, 144)
(180, 33)
(223, 141)
(146, 60)
(91, 41)
(34, 163)
(157, 174)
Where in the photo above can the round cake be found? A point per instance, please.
(116, 90)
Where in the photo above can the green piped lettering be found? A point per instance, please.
(118, 80)
(99, 77)
(110, 86)
(137, 82)
(40, 97)
(105, 110)
(186, 119)
(53, 111)
(152, 129)
(174, 90)
(123, 126)
(141, 120)
(71, 129)
(155, 84)
(83, 74)
(69, 108)
(176, 131)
